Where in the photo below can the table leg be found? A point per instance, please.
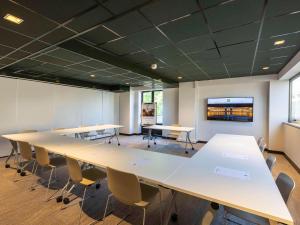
(186, 141)
(188, 136)
(117, 134)
(149, 137)
(169, 215)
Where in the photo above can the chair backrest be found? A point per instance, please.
(42, 156)
(74, 170)
(59, 128)
(124, 186)
(260, 140)
(285, 185)
(271, 160)
(25, 150)
(262, 147)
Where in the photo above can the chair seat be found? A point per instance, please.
(247, 216)
(148, 192)
(90, 176)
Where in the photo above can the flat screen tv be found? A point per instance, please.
(230, 109)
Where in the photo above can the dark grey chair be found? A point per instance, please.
(271, 160)
(285, 185)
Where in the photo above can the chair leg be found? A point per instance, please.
(106, 207)
(160, 208)
(49, 182)
(144, 216)
(82, 204)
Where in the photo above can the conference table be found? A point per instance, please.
(186, 130)
(229, 170)
(86, 129)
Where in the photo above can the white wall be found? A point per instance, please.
(278, 113)
(291, 143)
(124, 112)
(192, 105)
(37, 105)
(170, 107)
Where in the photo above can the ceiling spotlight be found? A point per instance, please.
(179, 78)
(13, 19)
(266, 68)
(279, 42)
(92, 75)
(154, 66)
(127, 83)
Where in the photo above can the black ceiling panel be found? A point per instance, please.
(19, 54)
(117, 70)
(128, 23)
(48, 68)
(53, 60)
(236, 69)
(89, 19)
(196, 44)
(33, 25)
(234, 13)
(35, 46)
(58, 10)
(233, 53)
(281, 25)
(82, 68)
(28, 63)
(205, 55)
(5, 50)
(143, 58)
(210, 3)
(68, 55)
(148, 39)
(12, 39)
(97, 64)
(186, 27)
(162, 11)
(279, 7)
(57, 35)
(117, 6)
(99, 35)
(292, 39)
(165, 51)
(6, 61)
(120, 47)
(237, 35)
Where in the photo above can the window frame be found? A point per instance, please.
(152, 98)
(291, 120)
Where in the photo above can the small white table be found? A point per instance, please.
(186, 130)
(80, 130)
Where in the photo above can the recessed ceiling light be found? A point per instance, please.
(13, 18)
(92, 75)
(179, 78)
(279, 42)
(127, 83)
(266, 68)
(154, 66)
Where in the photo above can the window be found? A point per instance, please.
(295, 99)
(157, 97)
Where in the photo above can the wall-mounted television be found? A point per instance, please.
(230, 109)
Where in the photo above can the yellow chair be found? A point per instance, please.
(43, 160)
(86, 178)
(127, 189)
(26, 157)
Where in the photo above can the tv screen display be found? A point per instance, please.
(230, 109)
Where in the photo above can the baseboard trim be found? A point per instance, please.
(130, 134)
(287, 158)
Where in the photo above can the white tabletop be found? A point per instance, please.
(243, 180)
(150, 166)
(86, 129)
(171, 128)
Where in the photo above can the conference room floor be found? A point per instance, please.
(20, 205)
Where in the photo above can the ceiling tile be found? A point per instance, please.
(117, 70)
(117, 6)
(57, 35)
(33, 25)
(120, 47)
(68, 55)
(99, 35)
(238, 52)
(93, 17)
(290, 40)
(47, 68)
(162, 11)
(82, 68)
(234, 13)
(5, 50)
(35, 47)
(185, 28)
(237, 35)
(97, 64)
(19, 55)
(196, 44)
(281, 25)
(148, 39)
(205, 55)
(12, 39)
(165, 51)
(211, 3)
(58, 10)
(53, 60)
(279, 7)
(128, 23)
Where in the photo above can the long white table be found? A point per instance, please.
(186, 130)
(229, 170)
(86, 129)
